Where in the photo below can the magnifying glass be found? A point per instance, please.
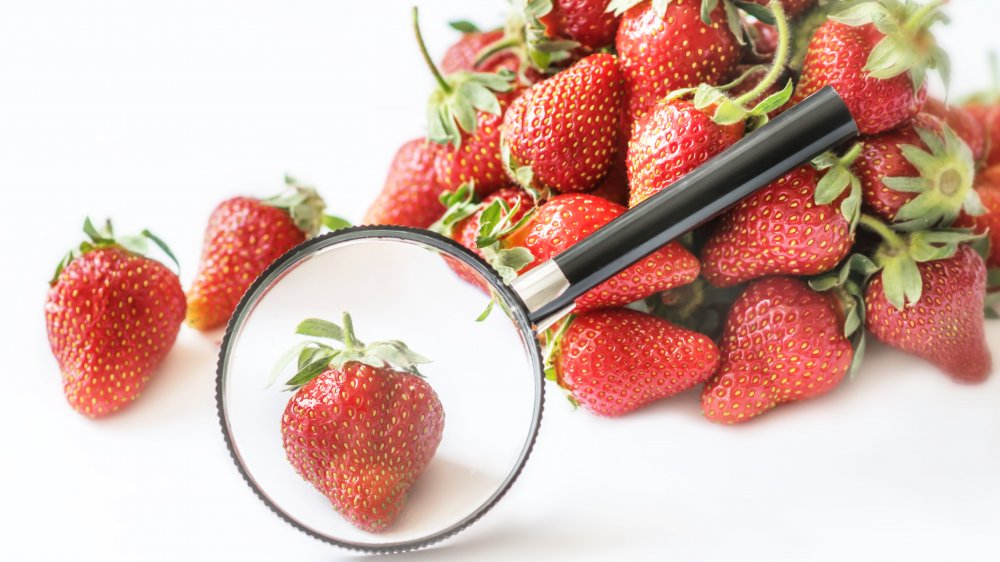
(370, 455)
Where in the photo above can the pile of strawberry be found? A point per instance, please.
(543, 131)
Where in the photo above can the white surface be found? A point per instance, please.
(152, 113)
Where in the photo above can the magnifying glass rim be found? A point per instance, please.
(519, 314)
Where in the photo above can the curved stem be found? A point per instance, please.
(494, 48)
(780, 57)
(350, 343)
(880, 228)
(427, 57)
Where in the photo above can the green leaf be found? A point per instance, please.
(464, 26)
(728, 113)
(706, 10)
(318, 328)
(762, 13)
(284, 360)
(890, 58)
(774, 101)
(832, 184)
(861, 14)
(310, 371)
(859, 354)
(907, 185)
(486, 313)
(333, 223)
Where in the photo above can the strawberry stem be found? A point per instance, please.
(350, 343)
(780, 56)
(878, 227)
(427, 57)
(492, 49)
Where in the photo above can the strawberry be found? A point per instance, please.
(921, 173)
(584, 21)
(876, 55)
(618, 360)
(988, 224)
(244, 236)
(543, 129)
(783, 342)
(676, 136)
(566, 219)
(463, 117)
(932, 309)
(665, 46)
(971, 131)
(783, 230)
(463, 54)
(362, 425)
(410, 194)
(112, 315)
(670, 141)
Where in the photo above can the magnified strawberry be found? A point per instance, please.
(362, 425)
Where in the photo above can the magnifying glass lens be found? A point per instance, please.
(354, 459)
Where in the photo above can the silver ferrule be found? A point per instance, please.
(541, 285)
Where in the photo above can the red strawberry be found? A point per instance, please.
(618, 360)
(360, 434)
(464, 115)
(584, 21)
(921, 172)
(670, 141)
(875, 55)
(780, 230)
(561, 134)
(792, 7)
(477, 159)
(411, 191)
(988, 187)
(112, 315)
(468, 229)
(463, 53)
(566, 219)
(244, 236)
(989, 117)
(665, 46)
(971, 131)
(783, 342)
(944, 322)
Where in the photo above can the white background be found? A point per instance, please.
(152, 113)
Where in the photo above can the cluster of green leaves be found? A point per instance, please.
(313, 357)
(142, 244)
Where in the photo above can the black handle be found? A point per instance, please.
(817, 124)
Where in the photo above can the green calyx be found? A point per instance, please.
(944, 184)
(525, 35)
(313, 357)
(908, 45)
(728, 110)
(900, 252)
(305, 206)
(522, 174)
(838, 177)
(847, 283)
(459, 205)
(141, 244)
(495, 223)
(452, 107)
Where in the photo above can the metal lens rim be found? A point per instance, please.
(518, 313)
